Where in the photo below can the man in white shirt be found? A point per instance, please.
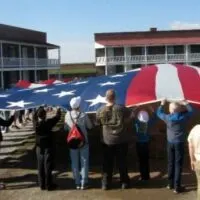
(194, 150)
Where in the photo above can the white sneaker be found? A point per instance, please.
(84, 187)
(2, 186)
(78, 187)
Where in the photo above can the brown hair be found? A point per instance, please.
(110, 95)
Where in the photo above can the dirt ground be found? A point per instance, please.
(20, 175)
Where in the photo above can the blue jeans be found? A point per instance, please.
(80, 156)
(175, 163)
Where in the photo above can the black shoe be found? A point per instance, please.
(179, 190)
(125, 186)
(42, 188)
(144, 179)
(52, 187)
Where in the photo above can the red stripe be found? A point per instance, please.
(23, 84)
(190, 81)
(142, 87)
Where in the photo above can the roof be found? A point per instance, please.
(14, 34)
(150, 38)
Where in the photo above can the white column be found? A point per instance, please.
(186, 54)
(2, 67)
(166, 55)
(20, 63)
(106, 64)
(127, 53)
(35, 59)
(59, 60)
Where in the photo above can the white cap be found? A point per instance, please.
(75, 102)
(143, 116)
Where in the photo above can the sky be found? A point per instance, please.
(72, 23)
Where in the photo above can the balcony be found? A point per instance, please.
(24, 63)
(149, 59)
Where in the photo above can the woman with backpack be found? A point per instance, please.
(75, 119)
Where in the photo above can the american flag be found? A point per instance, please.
(148, 84)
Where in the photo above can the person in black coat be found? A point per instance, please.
(6, 123)
(44, 147)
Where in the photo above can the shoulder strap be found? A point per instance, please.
(75, 118)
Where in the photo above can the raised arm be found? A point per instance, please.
(189, 108)
(54, 120)
(160, 111)
(98, 118)
(7, 122)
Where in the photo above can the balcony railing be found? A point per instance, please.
(13, 62)
(149, 59)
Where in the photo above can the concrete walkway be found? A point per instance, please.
(18, 171)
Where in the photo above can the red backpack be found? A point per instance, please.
(75, 138)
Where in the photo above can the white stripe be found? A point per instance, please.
(167, 83)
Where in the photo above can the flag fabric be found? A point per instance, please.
(27, 84)
(148, 84)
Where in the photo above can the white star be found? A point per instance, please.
(20, 104)
(65, 93)
(4, 95)
(42, 90)
(24, 89)
(80, 83)
(118, 75)
(97, 100)
(108, 83)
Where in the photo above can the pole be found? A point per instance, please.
(20, 63)
(35, 59)
(2, 66)
(106, 64)
(59, 60)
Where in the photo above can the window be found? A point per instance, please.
(137, 51)
(100, 52)
(12, 51)
(170, 50)
(195, 48)
(156, 50)
(119, 69)
(119, 51)
(175, 49)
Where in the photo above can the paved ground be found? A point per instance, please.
(18, 170)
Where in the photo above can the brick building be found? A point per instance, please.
(24, 55)
(120, 52)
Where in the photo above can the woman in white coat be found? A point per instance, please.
(80, 155)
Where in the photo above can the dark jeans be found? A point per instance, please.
(21, 114)
(110, 153)
(45, 161)
(143, 156)
(175, 163)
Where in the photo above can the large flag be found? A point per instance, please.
(145, 85)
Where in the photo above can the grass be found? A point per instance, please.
(73, 71)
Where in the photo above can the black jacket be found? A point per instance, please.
(43, 131)
(5, 123)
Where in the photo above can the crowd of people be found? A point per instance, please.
(114, 120)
